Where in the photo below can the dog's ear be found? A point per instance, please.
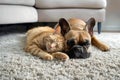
(90, 25)
(57, 29)
(65, 26)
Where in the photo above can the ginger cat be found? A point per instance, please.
(46, 43)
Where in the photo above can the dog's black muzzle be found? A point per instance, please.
(78, 50)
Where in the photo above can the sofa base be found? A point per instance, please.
(53, 15)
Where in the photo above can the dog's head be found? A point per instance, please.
(78, 35)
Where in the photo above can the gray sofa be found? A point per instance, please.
(29, 11)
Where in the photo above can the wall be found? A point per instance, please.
(112, 22)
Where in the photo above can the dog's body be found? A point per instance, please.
(79, 36)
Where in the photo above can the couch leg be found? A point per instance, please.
(99, 25)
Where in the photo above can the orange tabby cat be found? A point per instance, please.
(45, 42)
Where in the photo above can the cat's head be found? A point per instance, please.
(54, 42)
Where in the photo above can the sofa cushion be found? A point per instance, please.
(10, 14)
(70, 3)
(20, 2)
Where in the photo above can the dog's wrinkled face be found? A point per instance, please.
(77, 34)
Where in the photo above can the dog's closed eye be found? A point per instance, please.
(71, 42)
(85, 43)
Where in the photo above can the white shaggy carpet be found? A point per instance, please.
(15, 64)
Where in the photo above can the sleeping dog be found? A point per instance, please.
(79, 37)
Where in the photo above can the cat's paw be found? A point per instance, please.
(26, 49)
(48, 57)
(60, 55)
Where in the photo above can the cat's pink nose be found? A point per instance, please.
(52, 45)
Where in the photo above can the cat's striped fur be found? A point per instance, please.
(46, 43)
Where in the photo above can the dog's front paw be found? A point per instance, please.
(104, 48)
(60, 55)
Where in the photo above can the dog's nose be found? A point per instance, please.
(78, 51)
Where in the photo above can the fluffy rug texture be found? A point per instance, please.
(15, 64)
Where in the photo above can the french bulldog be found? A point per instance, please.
(79, 37)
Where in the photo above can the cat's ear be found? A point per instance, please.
(64, 25)
(57, 29)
